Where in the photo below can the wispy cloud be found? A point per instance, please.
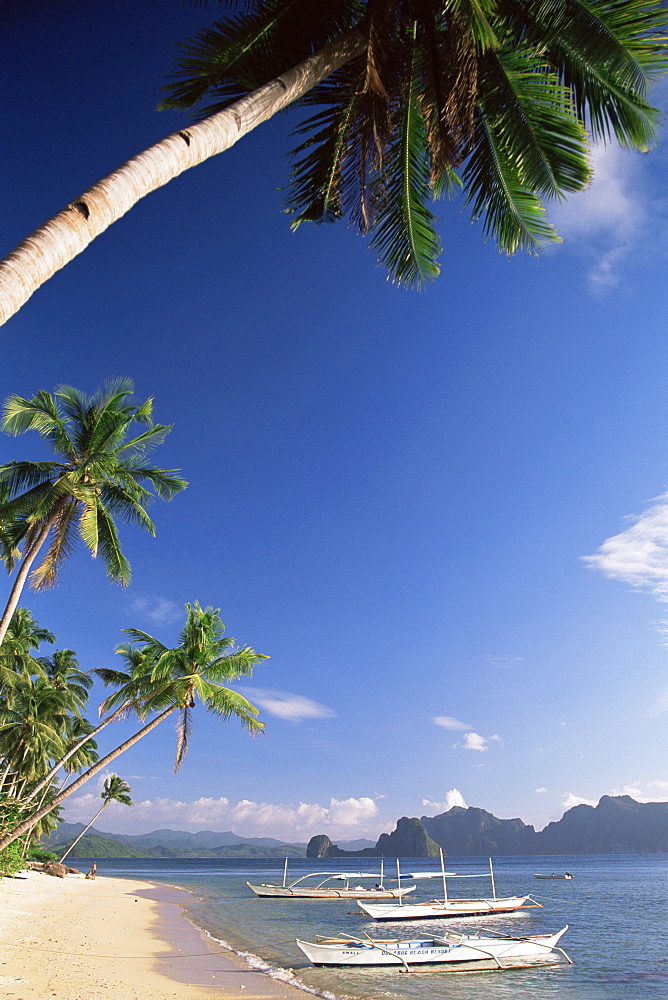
(282, 704)
(616, 212)
(157, 610)
(246, 818)
(448, 722)
(661, 704)
(452, 798)
(540, 791)
(638, 555)
(505, 662)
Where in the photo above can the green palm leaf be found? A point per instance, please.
(403, 234)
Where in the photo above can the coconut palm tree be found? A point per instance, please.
(163, 680)
(62, 669)
(99, 474)
(24, 636)
(113, 790)
(416, 97)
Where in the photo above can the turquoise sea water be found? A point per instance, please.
(616, 908)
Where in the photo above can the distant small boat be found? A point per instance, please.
(449, 948)
(554, 875)
(326, 889)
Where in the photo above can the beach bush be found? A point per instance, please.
(11, 859)
(38, 853)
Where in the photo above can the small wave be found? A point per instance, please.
(273, 971)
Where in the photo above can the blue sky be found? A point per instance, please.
(443, 515)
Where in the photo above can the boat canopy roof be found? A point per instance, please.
(342, 876)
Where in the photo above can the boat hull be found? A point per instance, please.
(439, 909)
(299, 892)
(430, 951)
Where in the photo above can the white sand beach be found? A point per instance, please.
(117, 939)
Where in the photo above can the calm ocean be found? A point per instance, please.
(616, 908)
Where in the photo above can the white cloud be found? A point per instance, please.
(158, 610)
(282, 704)
(540, 791)
(246, 818)
(452, 798)
(474, 741)
(569, 800)
(350, 812)
(645, 791)
(607, 220)
(447, 722)
(639, 555)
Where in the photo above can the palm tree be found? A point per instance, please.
(98, 474)
(23, 637)
(164, 680)
(114, 790)
(62, 669)
(416, 98)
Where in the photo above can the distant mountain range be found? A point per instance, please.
(174, 844)
(617, 825)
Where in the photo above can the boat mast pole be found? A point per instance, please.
(445, 887)
(285, 871)
(382, 873)
(401, 898)
(491, 875)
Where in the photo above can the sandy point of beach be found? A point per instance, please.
(114, 939)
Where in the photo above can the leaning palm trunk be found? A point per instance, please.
(85, 830)
(23, 827)
(54, 244)
(22, 575)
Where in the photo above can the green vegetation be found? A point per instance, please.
(500, 100)
(415, 99)
(101, 472)
(114, 790)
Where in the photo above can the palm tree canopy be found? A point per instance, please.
(17, 662)
(101, 473)
(499, 97)
(62, 669)
(116, 790)
(197, 669)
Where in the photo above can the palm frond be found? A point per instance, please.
(404, 237)
(252, 47)
(512, 213)
(117, 566)
(183, 733)
(63, 539)
(606, 52)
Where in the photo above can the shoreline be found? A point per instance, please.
(118, 939)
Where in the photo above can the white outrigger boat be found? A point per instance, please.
(449, 949)
(448, 906)
(325, 889)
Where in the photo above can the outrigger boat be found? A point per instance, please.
(449, 907)
(450, 949)
(325, 889)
